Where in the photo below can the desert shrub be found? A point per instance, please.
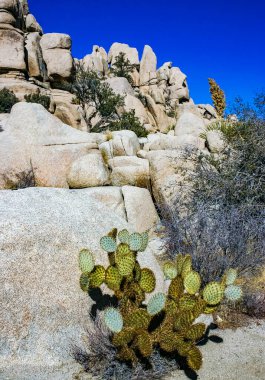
(7, 100)
(254, 302)
(130, 122)
(247, 112)
(218, 97)
(91, 91)
(217, 237)
(44, 100)
(122, 67)
(143, 341)
(99, 358)
(221, 222)
(21, 180)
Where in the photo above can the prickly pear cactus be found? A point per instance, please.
(167, 321)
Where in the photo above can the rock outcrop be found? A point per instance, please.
(32, 61)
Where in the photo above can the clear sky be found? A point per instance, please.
(224, 39)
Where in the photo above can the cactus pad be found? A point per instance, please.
(179, 262)
(113, 319)
(138, 319)
(233, 293)
(187, 266)
(113, 233)
(127, 354)
(156, 303)
(184, 320)
(84, 282)
(135, 242)
(230, 276)
(176, 288)
(125, 264)
(125, 336)
(196, 331)
(124, 236)
(194, 359)
(108, 244)
(213, 293)
(123, 249)
(113, 278)
(144, 344)
(147, 280)
(169, 341)
(187, 302)
(144, 241)
(97, 277)
(170, 270)
(192, 282)
(86, 261)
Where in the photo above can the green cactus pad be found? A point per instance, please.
(230, 276)
(187, 302)
(138, 319)
(156, 303)
(184, 347)
(97, 277)
(176, 288)
(169, 341)
(192, 282)
(124, 236)
(113, 278)
(135, 242)
(196, 331)
(84, 282)
(144, 344)
(86, 261)
(170, 270)
(123, 249)
(187, 266)
(137, 271)
(213, 293)
(199, 307)
(171, 306)
(179, 262)
(113, 319)
(233, 293)
(144, 241)
(125, 264)
(125, 336)
(210, 309)
(184, 320)
(147, 280)
(194, 359)
(108, 244)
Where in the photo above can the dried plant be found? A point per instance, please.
(21, 180)
(218, 97)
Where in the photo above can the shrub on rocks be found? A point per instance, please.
(128, 121)
(7, 100)
(44, 100)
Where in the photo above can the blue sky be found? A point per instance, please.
(224, 40)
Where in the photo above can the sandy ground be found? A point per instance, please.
(241, 356)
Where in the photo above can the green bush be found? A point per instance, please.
(44, 100)
(122, 67)
(7, 100)
(91, 91)
(128, 121)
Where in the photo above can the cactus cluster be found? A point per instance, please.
(136, 329)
